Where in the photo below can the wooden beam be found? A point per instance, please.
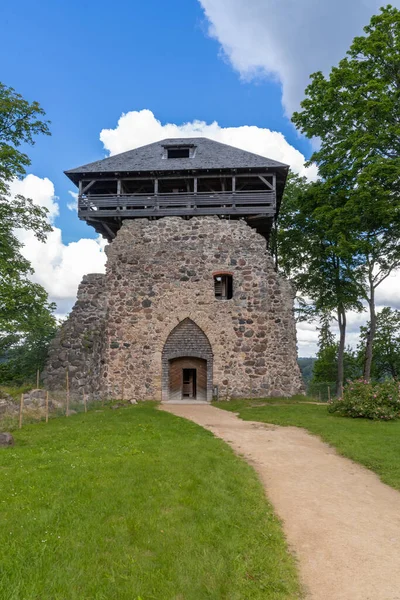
(119, 187)
(233, 184)
(80, 187)
(267, 183)
(155, 187)
(88, 186)
(109, 230)
(185, 176)
(195, 185)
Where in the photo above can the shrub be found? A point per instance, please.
(362, 399)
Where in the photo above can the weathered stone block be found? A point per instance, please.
(6, 439)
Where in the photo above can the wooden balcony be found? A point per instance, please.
(130, 206)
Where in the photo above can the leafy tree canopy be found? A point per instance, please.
(386, 357)
(355, 114)
(355, 111)
(24, 306)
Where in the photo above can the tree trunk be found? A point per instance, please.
(371, 334)
(342, 343)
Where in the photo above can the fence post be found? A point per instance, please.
(21, 408)
(85, 402)
(67, 407)
(47, 407)
(329, 393)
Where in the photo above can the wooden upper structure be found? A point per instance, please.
(180, 177)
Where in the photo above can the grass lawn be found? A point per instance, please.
(374, 444)
(135, 504)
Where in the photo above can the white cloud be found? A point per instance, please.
(287, 39)
(41, 191)
(58, 267)
(138, 128)
(74, 204)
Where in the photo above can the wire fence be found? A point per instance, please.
(322, 391)
(25, 410)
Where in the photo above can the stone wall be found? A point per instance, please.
(160, 273)
(78, 346)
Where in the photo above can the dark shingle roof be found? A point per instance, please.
(208, 155)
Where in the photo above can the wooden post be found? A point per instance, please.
(85, 402)
(319, 396)
(21, 408)
(37, 379)
(67, 407)
(329, 393)
(47, 407)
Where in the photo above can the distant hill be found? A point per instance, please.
(306, 367)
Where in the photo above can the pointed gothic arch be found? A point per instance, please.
(187, 364)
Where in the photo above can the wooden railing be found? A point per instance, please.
(188, 203)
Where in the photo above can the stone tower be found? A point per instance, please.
(190, 306)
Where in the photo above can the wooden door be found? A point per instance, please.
(189, 383)
(192, 371)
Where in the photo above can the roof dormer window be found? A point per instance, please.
(179, 151)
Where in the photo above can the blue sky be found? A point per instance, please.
(87, 63)
(240, 67)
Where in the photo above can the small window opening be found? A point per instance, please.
(223, 287)
(178, 152)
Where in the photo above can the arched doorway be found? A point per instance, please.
(187, 363)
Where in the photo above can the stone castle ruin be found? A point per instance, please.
(190, 306)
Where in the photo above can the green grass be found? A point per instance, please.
(16, 391)
(135, 504)
(374, 444)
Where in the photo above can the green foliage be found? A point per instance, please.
(135, 503)
(25, 313)
(306, 365)
(362, 399)
(309, 253)
(20, 121)
(386, 356)
(22, 357)
(355, 113)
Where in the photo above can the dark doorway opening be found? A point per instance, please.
(189, 377)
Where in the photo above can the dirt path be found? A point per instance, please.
(341, 521)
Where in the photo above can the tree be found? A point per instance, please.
(355, 113)
(386, 359)
(20, 121)
(325, 367)
(23, 304)
(308, 246)
(22, 355)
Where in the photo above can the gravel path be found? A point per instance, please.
(340, 520)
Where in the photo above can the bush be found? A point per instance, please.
(362, 399)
